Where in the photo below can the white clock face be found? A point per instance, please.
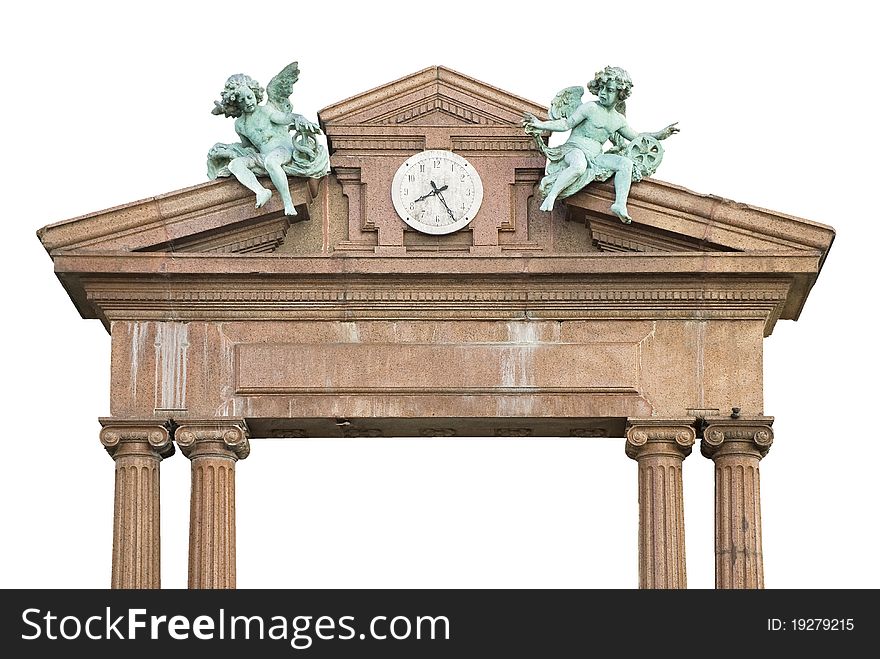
(437, 192)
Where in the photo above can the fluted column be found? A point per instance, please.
(213, 448)
(737, 447)
(660, 447)
(136, 447)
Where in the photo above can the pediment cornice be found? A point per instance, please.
(433, 90)
(705, 220)
(214, 216)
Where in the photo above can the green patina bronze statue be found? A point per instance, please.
(580, 160)
(267, 147)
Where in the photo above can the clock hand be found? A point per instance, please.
(448, 210)
(435, 190)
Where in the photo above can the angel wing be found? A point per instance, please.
(280, 87)
(566, 102)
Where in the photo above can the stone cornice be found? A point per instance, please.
(752, 435)
(340, 296)
(187, 286)
(781, 262)
(117, 431)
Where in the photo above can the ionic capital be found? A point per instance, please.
(218, 438)
(134, 436)
(732, 436)
(659, 437)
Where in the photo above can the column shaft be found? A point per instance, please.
(661, 524)
(660, 449)
(738, 559)
(213, 450)
(137, 451)
(136, 554)
(737, 451)
(212, 523)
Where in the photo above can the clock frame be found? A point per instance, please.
(437, 192)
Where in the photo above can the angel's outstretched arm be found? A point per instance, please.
(558, 125)
(671, 129)
(630, 134)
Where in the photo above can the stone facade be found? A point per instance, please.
(230, 322)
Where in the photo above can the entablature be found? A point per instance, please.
(188, 286)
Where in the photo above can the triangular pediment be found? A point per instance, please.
(217, 217)
(436, 96)
(670, 218)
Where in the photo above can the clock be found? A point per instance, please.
(437, 192)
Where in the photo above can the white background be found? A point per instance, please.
(105, 104)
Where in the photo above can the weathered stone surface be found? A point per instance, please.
(320, 368)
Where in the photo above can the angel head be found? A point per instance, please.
(241, 94)
(612, 85)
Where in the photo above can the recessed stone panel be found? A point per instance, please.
(477, 368)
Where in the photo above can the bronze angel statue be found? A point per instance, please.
(275, 141)
(572, 165)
